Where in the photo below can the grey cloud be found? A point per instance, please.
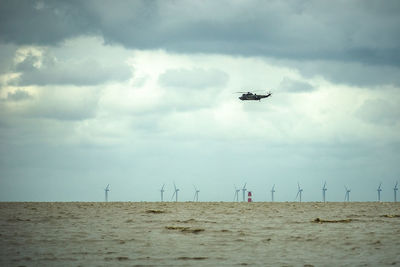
(55, 103)
(18, 95)
(379, 111)
(193, 78)
(293, 86)
(357, 31)
(68, 104)
(349, 72)
(27, 22)
(82, 72)
(82, 61)
(7, 52)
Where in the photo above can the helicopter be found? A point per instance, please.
(251, 96)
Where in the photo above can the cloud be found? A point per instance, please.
(352, 32)
(7, 52)
(62, 103)
(42, 23)
(293, 86)
(82, 72)
(18, 95)
(193, 78)
(74, 103)
(379, 112)
(53, 66)
(123, 129)
(349, 42)
(352, 73)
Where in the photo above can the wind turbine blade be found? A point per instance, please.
(273, 187)
(244, 187)
(173, 195)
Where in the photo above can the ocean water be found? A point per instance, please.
(199, 234)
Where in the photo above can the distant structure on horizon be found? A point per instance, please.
(324, 192)
(244, 192)
(299, 195)
(162, 193)
(176, 190)
(347, 195)
(106, 192)
(196, 194)
(299, 192)
(272, 193)
(236, 196)
(379, 192)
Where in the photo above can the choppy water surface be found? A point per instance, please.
(125, 233)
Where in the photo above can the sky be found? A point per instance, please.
(137, 94)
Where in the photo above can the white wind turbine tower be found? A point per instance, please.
(324, 191)
(272, 193)
(236, 196)
(395, 192)
(106, 192)
(196, 194)
(379, 192)
(162, 192)
(244, 192)
(175, 193)
(299, 192)
(347, 195)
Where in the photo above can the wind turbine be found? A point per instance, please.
(244, 192)
(272, 192)
(324, 191)
(395, 192)
(300, 190)
(196, 194)
(106, 191)
(175, 193)
(347, 195)
(379, 192)
(162, 193)
(236, 196)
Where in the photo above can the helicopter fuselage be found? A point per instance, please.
(251, 96)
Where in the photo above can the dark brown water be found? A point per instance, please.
(203, 234)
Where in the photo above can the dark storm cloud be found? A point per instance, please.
(360, 31)
(194, 78)
(42, 22)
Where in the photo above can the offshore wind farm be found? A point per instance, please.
(264, 195)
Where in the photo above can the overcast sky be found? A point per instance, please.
(137, 94)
